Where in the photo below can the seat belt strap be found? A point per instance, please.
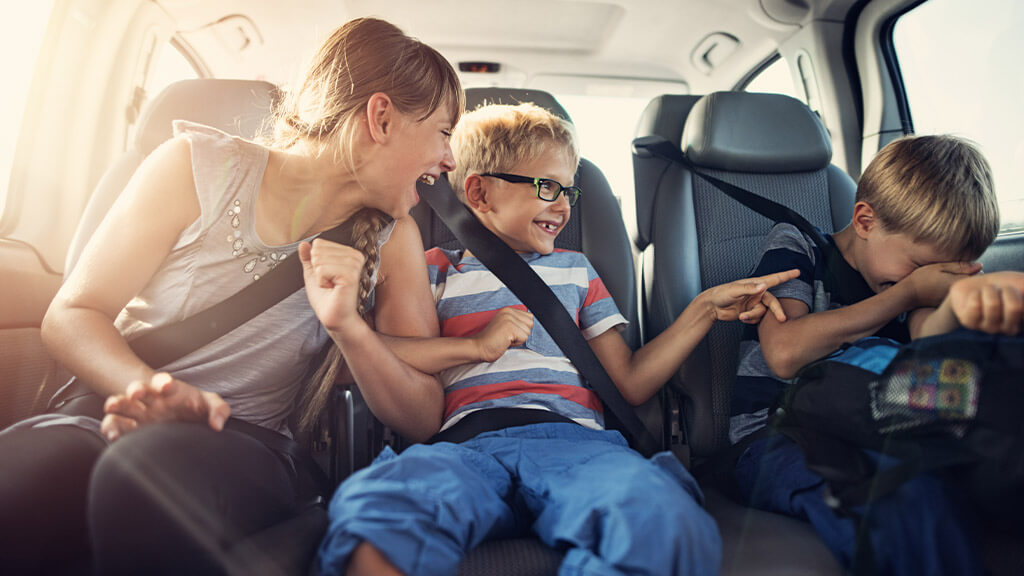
(521, 279)
(662, 148)
(167, 343)
(841, 278)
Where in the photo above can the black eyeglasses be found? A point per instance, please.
(547, 189)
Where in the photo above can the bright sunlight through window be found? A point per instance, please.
(20, 39)
(605, 128)
(960, 68)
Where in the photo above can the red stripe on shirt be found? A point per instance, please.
(595, 291)
(435, 257)
(469, 324)
(458, 398)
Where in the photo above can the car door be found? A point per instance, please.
(77, 86)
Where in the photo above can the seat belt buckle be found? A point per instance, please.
(676, 439)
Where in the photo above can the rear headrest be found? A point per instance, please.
(664, 116)
(751, 132)
(238, 107)
(477, 97)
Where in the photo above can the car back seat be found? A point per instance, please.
(693, 237)
(238, 107)
(595, 228)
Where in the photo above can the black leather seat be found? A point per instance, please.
(693, 237)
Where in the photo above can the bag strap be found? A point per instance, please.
(172, 341)
(521, 279)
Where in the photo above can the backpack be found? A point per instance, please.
(938, 404)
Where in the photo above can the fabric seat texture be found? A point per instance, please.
(692, 237)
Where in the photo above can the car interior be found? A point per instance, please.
(789, 99)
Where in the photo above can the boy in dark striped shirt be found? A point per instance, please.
(925, 209)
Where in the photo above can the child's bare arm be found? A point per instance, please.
(992, 303)
(917, 319)
(638, 375)
(509, 327)
(805, 337)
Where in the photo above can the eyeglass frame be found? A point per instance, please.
(538, 182)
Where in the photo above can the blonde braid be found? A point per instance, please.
(366, 229)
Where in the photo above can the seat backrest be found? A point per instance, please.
(664, 116)
(770, 144)
(595, 226)
(238, 107)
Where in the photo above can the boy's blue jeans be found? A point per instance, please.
(916, 530)
(584, 491)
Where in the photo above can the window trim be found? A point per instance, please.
(190, 55)
(887, 45)
(741, 85)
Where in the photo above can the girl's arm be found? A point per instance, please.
(134, 238)
(130, 244)
(402, 397)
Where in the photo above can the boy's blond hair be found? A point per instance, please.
(936, 190)
(496, 137)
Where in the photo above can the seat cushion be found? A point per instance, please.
(511, 557)
(757, 543)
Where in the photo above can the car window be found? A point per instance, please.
(775, 78)
(20, 39)
(960, 73)
(605, 140)
(171, 65)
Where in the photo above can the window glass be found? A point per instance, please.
(20, 40)
(775, 78)
(605, 140)
(961, 71)
(170, 66)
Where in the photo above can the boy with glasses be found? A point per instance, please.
(557, 470)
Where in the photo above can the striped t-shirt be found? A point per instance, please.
(536, 375)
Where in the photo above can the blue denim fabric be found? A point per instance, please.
(585, 491)
(919, 529)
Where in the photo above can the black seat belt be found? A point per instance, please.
(842, 279)
(167, 343)
(170, 342)
(521, 279)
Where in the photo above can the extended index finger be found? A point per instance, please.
(778, 277)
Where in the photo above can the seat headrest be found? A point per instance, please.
(665, 115)
(238, 107)
(477, 97)
(751, 132)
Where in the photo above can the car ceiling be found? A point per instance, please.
(670, 40)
